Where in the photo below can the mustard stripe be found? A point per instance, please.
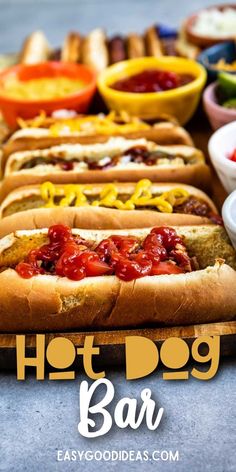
(109, 197)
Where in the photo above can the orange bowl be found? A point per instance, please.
(12, 108)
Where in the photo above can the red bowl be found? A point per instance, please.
(12, 108)
(205, 41)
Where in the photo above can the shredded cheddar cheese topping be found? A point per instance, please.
(109, 197)
(99, 124)
(34, 123)
(223, 65)
(114, 122)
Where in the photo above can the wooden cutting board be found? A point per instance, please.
(112, 343)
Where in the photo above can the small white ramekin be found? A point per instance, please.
(229, 216)
(220, 146)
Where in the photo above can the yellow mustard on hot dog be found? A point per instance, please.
(109, 196)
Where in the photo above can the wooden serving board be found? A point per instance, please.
(112, 343)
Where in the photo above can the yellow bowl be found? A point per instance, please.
(180, 102)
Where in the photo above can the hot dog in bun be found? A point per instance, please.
(44, 132)
(105, 206)
(119, 159)
(60, 279)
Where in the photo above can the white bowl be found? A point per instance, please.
(229, 216)
(220, 146)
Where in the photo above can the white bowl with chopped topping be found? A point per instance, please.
(229, 216)
(211, 25)
(222, 150)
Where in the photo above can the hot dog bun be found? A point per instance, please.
(197, 175)
(40, 138)
(184, 48)
(94, 50)
(50, 303)
(194, 171)
(71, 50)
(153, 43)
(135, 46)
(15, 215)
(35, 49)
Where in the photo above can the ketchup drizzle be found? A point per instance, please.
(161, 252)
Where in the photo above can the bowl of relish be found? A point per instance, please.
(150, 87)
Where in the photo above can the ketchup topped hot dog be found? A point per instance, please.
(61, 278)
(127, 257)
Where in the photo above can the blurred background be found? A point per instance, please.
(18, 18)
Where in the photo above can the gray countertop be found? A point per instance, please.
(56, 17)
(39, 418)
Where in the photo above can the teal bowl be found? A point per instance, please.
(212, 55)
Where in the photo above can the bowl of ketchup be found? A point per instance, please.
(149, 87)
(152, 80)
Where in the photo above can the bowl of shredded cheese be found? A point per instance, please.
(25, 90)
